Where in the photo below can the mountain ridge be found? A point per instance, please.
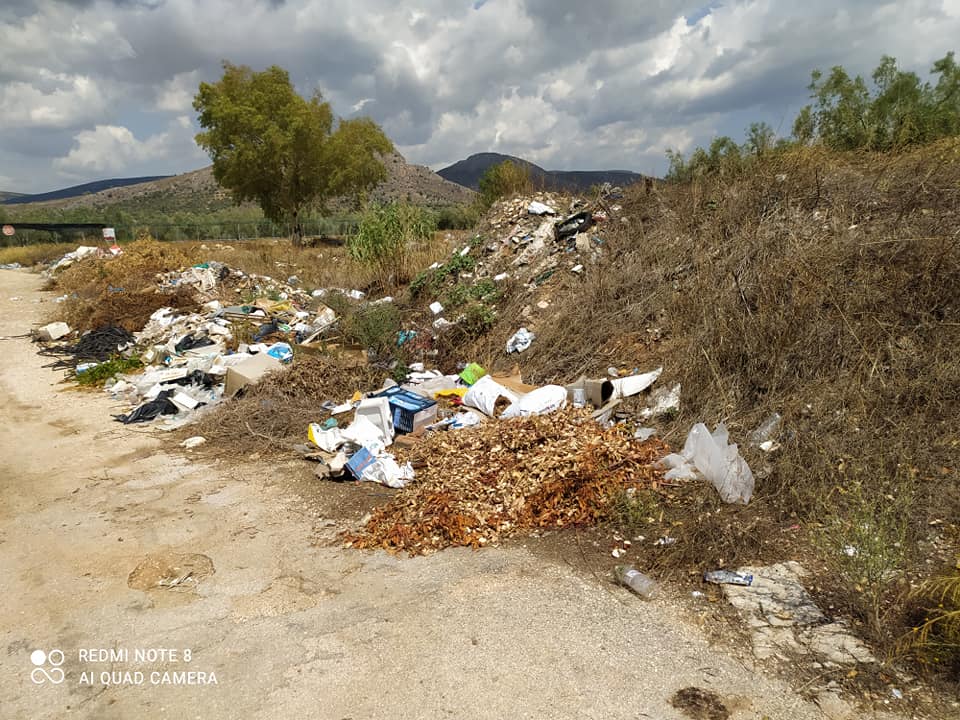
(467, 172)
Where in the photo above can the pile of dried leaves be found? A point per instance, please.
(476, 486)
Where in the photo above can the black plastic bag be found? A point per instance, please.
(162, 405)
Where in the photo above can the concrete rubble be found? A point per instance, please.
(784, 620)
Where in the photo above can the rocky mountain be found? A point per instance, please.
(468, 173)
(77, 190)
(198, 192)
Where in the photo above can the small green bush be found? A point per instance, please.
(384, 237)
(97, 376)
(504, 180)
(374, 327)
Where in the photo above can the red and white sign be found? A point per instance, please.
(109, 234)
(8, 230)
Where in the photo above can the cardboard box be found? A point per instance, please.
(249, 372)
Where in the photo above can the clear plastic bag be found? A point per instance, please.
(718, 461)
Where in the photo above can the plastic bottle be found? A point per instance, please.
(767, 431)
(632, 578)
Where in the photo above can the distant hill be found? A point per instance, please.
(78, 190)
(8, 195)
(198, 192)
(468, 173)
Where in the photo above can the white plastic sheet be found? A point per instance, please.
(718, 461)
(483, 395)
(634, 384)
(521, 340)
(542, 401)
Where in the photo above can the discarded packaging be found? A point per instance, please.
(436, 308)
(162, 405)
(538, 208)
(541, 401)
(386, 471)
(521, 340)
(377, 411)
(634, 384)
(193, 442)
(483, 395)
(249, 372)
(728, 577)
(471, 373)
(54, 331)
(410, 411)
(718, 461)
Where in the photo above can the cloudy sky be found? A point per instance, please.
(103, 88)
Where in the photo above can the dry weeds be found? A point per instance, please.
(273, 415)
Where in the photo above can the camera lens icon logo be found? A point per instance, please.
(40, 674)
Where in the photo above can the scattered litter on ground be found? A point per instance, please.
(520, 341)
(630, 577)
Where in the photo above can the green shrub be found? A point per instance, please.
(457, 217)
(374, 327)
(504, 180)
(384, 237)
(97, 376)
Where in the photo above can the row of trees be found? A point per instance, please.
(899, 110)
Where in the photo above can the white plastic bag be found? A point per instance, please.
(542, 401)
(327, 440)
(364, 433)
(387, 471)
(716, 459)
(521, 340)
(483, 395)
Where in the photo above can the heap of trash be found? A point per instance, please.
(243, 327)
(524, 242)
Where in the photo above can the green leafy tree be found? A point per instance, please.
(270, 145)
(502, 180)
(760, 139)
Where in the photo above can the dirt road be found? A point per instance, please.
(289, 629)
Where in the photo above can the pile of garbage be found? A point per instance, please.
(195, 358)
(524, 241)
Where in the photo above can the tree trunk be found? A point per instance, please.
(296, 230)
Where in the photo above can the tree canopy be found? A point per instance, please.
(898, 111)
(272, 146)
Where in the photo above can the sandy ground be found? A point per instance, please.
(289, 628)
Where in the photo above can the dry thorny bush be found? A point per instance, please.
(273, 415)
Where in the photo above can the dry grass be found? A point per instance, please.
(120, 291)
(273, 416)
(30, 255)
(824, 287)
(322, 266)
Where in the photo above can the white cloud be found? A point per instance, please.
(110, 148)
(54, 100)
(565, 83)
(176, 95)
